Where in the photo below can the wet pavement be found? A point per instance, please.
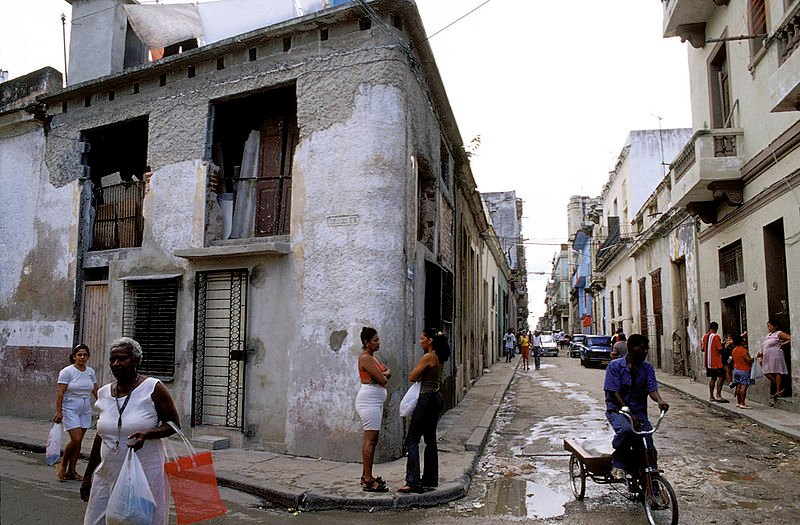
(725, 468)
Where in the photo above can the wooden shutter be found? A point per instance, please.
(149, 315)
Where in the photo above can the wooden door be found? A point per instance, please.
(93, 325)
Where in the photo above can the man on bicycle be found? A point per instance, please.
(629, 381)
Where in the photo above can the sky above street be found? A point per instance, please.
(551, 87)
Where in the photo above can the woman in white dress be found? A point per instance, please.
(75, 394)
(134, 411)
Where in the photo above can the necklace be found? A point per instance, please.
(121, 409)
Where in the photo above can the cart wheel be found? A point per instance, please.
(577, 477)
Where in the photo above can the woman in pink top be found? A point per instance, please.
(369, 404)
(773, 363)
(742, 363)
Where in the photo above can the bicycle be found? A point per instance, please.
(643, 479)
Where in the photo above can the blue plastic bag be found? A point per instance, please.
(131, 501)
(53, 449)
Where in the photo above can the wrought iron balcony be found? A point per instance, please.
(708, 168)
(784, 85)
(118, 220)
(687, 18)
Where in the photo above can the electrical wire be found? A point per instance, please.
(462, 17)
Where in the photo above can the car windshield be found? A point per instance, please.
(601, 340)
(547, 339)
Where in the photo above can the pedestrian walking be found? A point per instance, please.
(772, 359)
(712, 353)
(426, 414)
(727, 360)
(524, 348)
(742, 363)
(134, 413)
(536, 343)
(509, 344)
(75, 394)
(369, 405)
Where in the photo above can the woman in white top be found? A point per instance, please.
(134, 412)
(77, 385)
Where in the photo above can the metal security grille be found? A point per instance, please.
(731, 265)
(149, 313)
(219, 357)
(118, 221)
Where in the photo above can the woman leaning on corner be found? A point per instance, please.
(134, 411)
(426, 414)
(77, 384)
(369, 404)
(773, 363)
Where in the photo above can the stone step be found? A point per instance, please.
(211, 442)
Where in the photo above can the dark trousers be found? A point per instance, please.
(627, 444)
(537, 357)
(423, 425)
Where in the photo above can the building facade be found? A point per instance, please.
(739, 173)
(244, 208)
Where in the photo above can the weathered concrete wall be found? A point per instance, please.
(36, 271)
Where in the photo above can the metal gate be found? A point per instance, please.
(219, 355)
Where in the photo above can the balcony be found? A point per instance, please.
(687, 19)
(784, 85)
(708, 168)
(118, 221)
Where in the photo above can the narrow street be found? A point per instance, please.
(724, 469)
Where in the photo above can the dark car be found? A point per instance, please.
(575, 345)
(595, 350)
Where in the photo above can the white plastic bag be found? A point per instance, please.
(755, 371)
(53, 449)
(409, 402)
(131, 501)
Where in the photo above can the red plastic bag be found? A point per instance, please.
(194, 485)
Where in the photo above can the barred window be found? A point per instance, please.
(731, 265)
(149, 316)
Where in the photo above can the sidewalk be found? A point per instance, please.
(310, 484)
(775, 419)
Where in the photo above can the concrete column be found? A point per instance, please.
(97, 39)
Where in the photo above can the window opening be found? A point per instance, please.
(64, 107)
(323, 33)
(757, 21)
(87, 101)
(287, 44)
(719, 87)
(116, 158)
(364, 24)
(252, 54)
(259, 127)
(191, 72)
(731, 265)
(220, 63)
(180, 47)
(162, 80)
(426, 205)
(149, 314)
(111, 95)
(135, 88)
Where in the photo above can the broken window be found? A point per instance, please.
(149, 313)
(116, 159)
(254, 138)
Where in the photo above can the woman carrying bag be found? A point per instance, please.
(426, 414)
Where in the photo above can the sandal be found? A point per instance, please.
(74, 476)
(375, 485)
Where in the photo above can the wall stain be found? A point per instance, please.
(337, 338)
(258, 275)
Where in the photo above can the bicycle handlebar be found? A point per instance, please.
(643, 432)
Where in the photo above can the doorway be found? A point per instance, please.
(777, 286)
(219, 356)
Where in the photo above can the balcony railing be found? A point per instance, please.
(687, 18)
(118, 221)
(711, 157)
(788, 35)
(784, 85)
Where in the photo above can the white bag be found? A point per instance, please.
(131, 501)
(409, 402)
(755, 371)
(53, 449)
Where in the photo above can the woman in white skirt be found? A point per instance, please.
(369, 404)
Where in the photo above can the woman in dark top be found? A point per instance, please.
(426, 415)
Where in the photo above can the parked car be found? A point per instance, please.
(549, 346)
(575, 345)
(595, 350)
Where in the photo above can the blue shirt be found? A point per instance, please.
(634, 389)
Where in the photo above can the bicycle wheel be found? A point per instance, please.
(577, 477)
(660, 503)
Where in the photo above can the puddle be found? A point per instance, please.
(521, 498)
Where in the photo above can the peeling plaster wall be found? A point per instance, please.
(36, 274)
